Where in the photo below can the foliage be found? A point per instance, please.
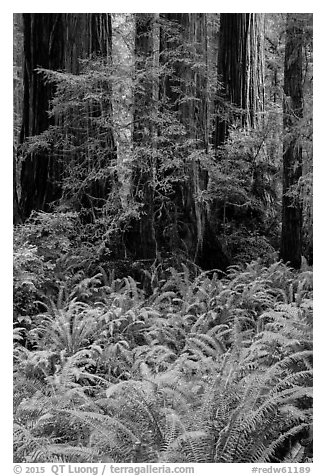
(53, 252)
(162, 157)
(29, 273)
(156, 176)
(84, 142)
(205, 369)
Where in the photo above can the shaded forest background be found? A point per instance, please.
(163, 249)
(168, 134)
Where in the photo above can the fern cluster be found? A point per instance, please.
(205, 369)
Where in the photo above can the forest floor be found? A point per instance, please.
(203, 368)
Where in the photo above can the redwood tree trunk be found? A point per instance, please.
(51, 41)
(240, 95)
(18, 103)
(186, 88)
(291, 239)
(142, 239)
(42, 48)
(240, 71)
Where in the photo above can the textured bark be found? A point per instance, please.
(42, 48)
(142, 240)
(291, 239)
(186, 87)
(51, 41)
(240, 70)
(197, 119)
(123, 41)
(18, 106)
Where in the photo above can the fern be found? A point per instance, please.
(208, 369)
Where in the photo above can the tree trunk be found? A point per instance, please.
(123, 41)
(142, 241)
(42, 48)
(186, 87)
(240, 71)
(56, 42)
(18, 106)
(240, 88)
(291, 239)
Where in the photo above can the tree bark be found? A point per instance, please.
(56, 42)
(42, 48)
(18, 103)
(291, 238)
(142, 240)
(186, 87)
(123, 41)
(240, 72)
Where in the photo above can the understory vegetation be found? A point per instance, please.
(170, 365)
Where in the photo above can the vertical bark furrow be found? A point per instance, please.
(291, 239)
(56, 42)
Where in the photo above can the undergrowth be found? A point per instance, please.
(203, 369)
